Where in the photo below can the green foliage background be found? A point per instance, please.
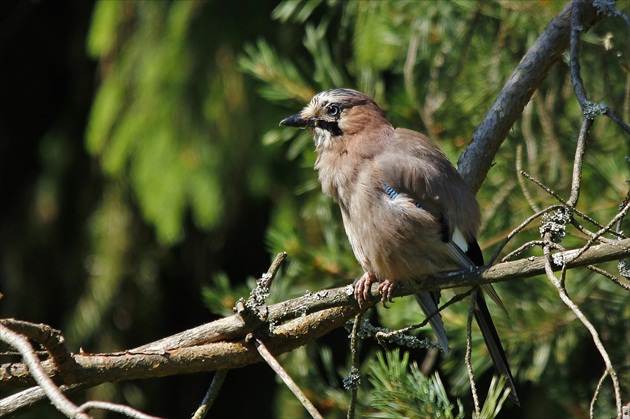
(188, 185)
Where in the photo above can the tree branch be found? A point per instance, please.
(476, 160)
(299, 321)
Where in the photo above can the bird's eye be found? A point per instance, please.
(333, 110)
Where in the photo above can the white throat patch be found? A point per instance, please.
(322, 138)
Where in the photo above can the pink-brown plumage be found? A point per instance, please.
(406, 211)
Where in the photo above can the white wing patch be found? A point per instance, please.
(460, 240)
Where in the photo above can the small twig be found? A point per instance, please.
(593, 268)
(610, 276)
(589, 109)
(522, 248)
(25, 400)
(275, 365)
(578, 313)
(259, 295)
(588, 232)
(574, 48)
(608, 8)
(467, 358)
(544, 188)
(573, 210)
(456, 298)
(621, 206)
(596, 394)
(117, 408)
(255, 309)
(273, 269)
(521, 181)
(529, 138)
(563, 278)
(54, 394)
(384, 336)
(604, 229)
(577, 162)
(211, 394)
(354, 378)
(51, 339)
(519, 228)
(617, 119)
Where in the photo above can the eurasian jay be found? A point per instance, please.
(406, 210)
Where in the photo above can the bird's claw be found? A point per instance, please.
(362, 289)
(386, 290)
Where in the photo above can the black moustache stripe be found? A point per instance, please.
(330, 126)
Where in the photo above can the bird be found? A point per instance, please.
(407, 212)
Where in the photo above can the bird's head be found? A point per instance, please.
(336, 113)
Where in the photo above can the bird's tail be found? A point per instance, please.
(491, 337)
(428, 303)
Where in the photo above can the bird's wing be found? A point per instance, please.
(415, 166)
(420, 170)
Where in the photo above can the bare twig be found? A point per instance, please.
(623, 284)
(456, 298)
(604, 229)
(275, 365)
(273, 269)
(545, 105)
(608, 8)
(574, 46)
(589, 109)
(467, 358)
(519, 229)
(573, 210)
(51, 339)
(587, 232)
(116, 408)
(617, 120)
(521, 181)
(354, 378)
(544, 188)
(596, 394)
(259, 295)
(522, 248)
(53, 393)
(529, 138)
(577, 163)
(578, 313)
(211, 394)
(24, 400)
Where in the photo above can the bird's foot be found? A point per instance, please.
(386, 289)
(362, 288)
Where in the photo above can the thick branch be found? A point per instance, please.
(309, 317)
(476, 160)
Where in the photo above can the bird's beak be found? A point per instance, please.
(297, 121)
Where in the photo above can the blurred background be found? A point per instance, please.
(145, 183)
